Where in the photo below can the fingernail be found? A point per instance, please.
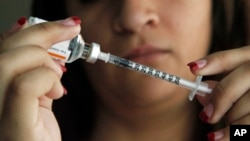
(206, 113)
(64, 69)
(215, 136)
(19, 23)
(65, 92)
(71, 21)
(194, 66)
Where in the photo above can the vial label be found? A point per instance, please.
(59, 52)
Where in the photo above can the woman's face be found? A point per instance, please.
(163, 34)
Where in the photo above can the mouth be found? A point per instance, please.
(146, 53)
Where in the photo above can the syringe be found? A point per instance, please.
(92, 52)
(76, 48)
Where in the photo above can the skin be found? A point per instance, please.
(156, 27)
(127, 26)
(26, 95)
(28, 86)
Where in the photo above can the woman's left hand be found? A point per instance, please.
(230, 99)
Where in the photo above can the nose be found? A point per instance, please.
(133, 16)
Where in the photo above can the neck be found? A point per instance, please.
(176, 121)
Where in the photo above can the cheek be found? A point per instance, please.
(190, 29)
(194, 41)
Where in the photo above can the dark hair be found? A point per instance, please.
(49, 9)
(229, 31)
(229, 25)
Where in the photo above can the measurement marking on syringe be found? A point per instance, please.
(77, 48)
(147, 70)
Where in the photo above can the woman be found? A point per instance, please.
(164, 34)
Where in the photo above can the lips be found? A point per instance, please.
(146, 52)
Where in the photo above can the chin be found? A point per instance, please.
(151, 92)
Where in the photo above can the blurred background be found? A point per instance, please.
(11, 11)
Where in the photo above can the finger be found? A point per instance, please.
(22, 102)
(219, 62)
(219, 135)
(230, 90)
(44, 34)
(205, 100)
(41, 81)
(26, 58)
(239, 109)
(243, 121)
(25, 90)
(20, 60)
(224, 134)
(227, 92)
(15, 27)
(20, 24)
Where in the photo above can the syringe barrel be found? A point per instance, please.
(76, 48)
(203, 88)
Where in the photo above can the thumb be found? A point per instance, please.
(45, 34)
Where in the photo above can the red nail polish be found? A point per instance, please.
(65, 92)
(193, 66)
(64, 69)
(18, 25)
(203, 116)
(21, 21)
(71, 21)
(76, 19)
(215, 136)
(211, 136)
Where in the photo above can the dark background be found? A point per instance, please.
(11, 11)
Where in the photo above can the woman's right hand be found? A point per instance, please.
(30, 80)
